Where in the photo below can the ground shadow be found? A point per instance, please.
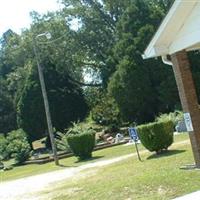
(189, 167)
(165, 154)
(61, 165)
(89, 159)
(18, 165)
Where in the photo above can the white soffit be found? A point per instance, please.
(179, 30)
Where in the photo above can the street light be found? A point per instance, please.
(45, 98)
(46, 34)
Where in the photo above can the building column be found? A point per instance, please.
(188, 97)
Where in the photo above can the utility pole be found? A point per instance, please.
(46, 103)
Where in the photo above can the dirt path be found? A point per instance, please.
(27, 188)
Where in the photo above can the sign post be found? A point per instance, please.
(134, 136)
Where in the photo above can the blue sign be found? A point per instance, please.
(133, 134)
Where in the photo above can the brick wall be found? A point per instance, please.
(188, 97)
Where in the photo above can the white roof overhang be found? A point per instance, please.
(179, 30)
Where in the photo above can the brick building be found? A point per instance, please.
(179, 33)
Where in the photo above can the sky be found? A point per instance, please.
(14, 14)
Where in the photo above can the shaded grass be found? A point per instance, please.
(165, 153)
(153, 179)
(33, 169)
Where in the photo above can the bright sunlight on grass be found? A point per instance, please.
(156, 178)
(33, 169)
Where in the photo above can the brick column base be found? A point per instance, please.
(188, 97)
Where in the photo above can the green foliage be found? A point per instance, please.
(141, 88)
(82, 145)
(93, 96)
(132, 95)
(175, 117)
(81, 141)
(18, 146)
(20, 151)
(29, 105)
(16, 135)
(3, 148)
(106, 112)
(61, 142)
(107, 46)
(78, 128)
(7, 112)
(156, 136)
(96, 35)
(110, 33)
(66, 102)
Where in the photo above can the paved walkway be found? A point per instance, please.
(28, 188)
(192, 196)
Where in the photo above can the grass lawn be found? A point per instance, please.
(33, 169)
(156, 178)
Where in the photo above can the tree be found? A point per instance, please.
(12, 76)
(96, 35)
(7, 112)
(106, 111)
(107, 45)
(140, 87)
(66, 101)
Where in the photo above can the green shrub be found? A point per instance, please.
(16, 135)
(156, 136)
(81, 141)
(106, 112)
(82, 145)
(18, 146)
(4, 154)
(21, 151)
(175, 117)
(12, 136)
(61, 142)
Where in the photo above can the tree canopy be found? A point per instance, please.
(66, 101)
(98, 61)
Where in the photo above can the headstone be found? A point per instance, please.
(181, 127)
(119, 137)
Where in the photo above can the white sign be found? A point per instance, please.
(188, 122)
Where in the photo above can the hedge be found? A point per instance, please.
(157, 136)
(82, 144)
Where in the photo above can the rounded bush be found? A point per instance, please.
(18, 146)
(157, 136)
(82, 144)
(21, 151)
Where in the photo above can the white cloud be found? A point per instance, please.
(14, 14)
